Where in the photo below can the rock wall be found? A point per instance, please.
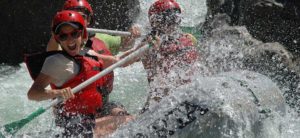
(25, 27)
(266, 20)
(229, 46)
(115, 14)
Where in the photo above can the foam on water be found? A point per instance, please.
(130, 88)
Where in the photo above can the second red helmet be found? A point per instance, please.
(78, 4)
(163, 5)
(71, 18)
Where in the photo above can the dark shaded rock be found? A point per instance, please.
(274, 21)
(26, 24)
(229, 7)
(223, 46)
(227, 48)
(266, 20)
(273, 60)
(115, 14)
(25, 27)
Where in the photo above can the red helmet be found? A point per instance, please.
(68, 17)
(163, 5)
(78, 4)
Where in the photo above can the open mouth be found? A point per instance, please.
(72, 46)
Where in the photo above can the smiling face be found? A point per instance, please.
(72, 44)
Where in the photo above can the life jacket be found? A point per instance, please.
(34, 62)
(183, 47)
(175, 51)
(99, 46)
(89, 99)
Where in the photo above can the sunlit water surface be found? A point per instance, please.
(130, 87)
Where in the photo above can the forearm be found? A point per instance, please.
(126, 43)
(107, 60)
(40, 94)
(128, 52)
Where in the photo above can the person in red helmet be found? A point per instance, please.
(101, 49)
(65, 69)
(114, 44)
(170, 62)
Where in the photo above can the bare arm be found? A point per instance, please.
(149, 40)
(53, 45)
(128, 41)
(107, 59)
(128, 52)
(38, 91)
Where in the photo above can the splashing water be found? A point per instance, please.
(130, 88)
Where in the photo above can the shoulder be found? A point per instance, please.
(112, 42)
(98, 42)
(100, 46)
(107, 38)
(96, 39)
(58, 64)
(56, 57)
(101, 35)
(56, 60)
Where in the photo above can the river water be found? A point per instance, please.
(130, 87)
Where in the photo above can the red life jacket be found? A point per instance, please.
(182, 47)
(89, 99)
(99, 46)
(177, 51)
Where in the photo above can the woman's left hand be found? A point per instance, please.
(135, 31)
(155, 41)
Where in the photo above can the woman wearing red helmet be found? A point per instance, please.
(66, 69)
(98, 47)
(171, 61)
(113, 44)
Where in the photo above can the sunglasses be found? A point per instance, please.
(169, 16)
(64, 36)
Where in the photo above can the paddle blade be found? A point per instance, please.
(13, 127)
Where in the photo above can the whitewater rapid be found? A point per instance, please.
(130, 88)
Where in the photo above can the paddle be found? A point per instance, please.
(187, 29)
(13, 127)
(110, 32)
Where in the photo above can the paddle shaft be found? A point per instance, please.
(110, 32)
(193, 30)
